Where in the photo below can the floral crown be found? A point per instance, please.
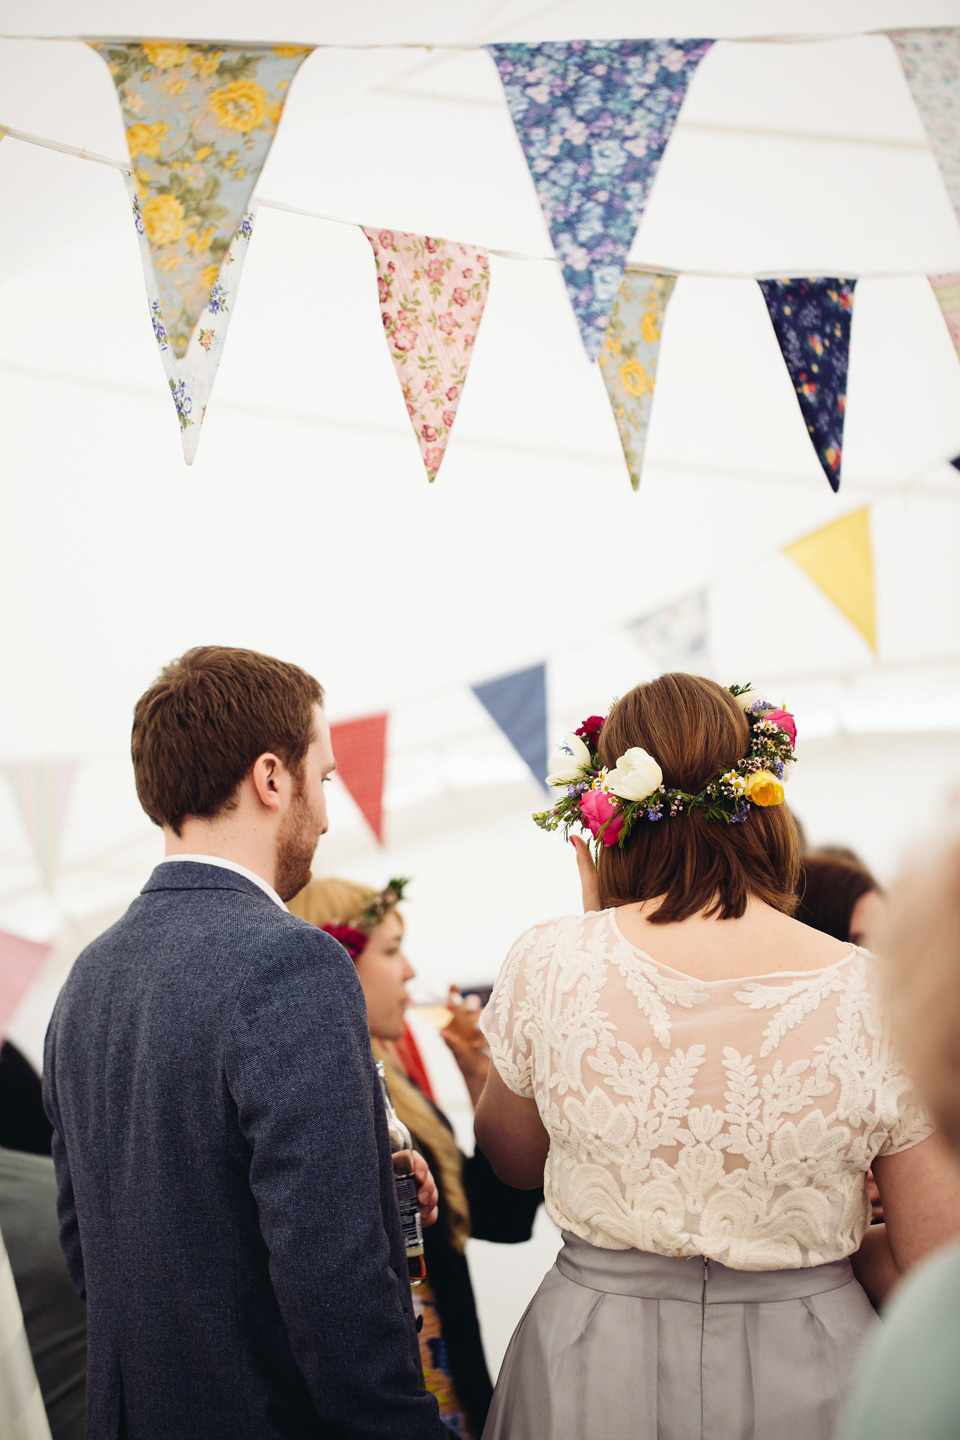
(609, 803)
(354, 937)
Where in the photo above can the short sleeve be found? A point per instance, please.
(905, 1120)
(512, 1019)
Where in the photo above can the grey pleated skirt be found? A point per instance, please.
(623, 1345)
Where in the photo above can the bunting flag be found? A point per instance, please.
(947, 290)
(593, 119)
(518, 704)
(432, 294)
(200, 120)
(628, 359)
(839, 559)
(955, 462)
(678, 635)
(812, 319)
(20, 963)
(191, 379)
(360, 747)
(931, 63)
(42, 791)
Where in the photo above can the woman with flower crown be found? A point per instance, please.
(701, 1083)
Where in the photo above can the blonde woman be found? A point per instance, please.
(472, 1200)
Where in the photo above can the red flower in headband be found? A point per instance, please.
(353, 941)
(590, 729)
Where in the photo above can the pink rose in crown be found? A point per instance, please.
(785, 721)
(453, 392)
(446, 322)
(428, 433)
(430, 244)
(433, 457)
(404, 338)
(435, 270)
(386, 239)
(460, 296)
(448, 418)
(599, 810)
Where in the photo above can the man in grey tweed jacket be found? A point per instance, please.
(226, 1193)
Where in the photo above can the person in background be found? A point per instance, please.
(839, 896)
(908, 1381)
(704, 1083)
(472, 1200)
(23, 1121)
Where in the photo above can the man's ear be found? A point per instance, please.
(268, 774)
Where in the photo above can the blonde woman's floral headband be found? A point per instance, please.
(609, 803)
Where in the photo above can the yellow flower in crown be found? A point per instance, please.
(241, 105)
(633, 378)
(763, 788)
(145, 139)
(165, 56)
(162, 219)
(649, 328)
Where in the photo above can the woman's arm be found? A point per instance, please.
(510, 1133)
(920, 1192)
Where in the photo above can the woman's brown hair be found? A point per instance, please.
(695, 730)
(830, 886)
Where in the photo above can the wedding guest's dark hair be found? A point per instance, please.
(695, 730)
(206, 719)
(830, 886)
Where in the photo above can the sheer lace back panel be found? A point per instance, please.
(734, 1119)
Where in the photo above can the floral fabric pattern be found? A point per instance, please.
(812, 320)
(734, 1119)
(432, 294)
(628, 359)
(947, 290)
(931, 63)
(594, 119)
(200, 121)
(191, 378)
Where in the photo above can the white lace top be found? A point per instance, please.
(734, 1119)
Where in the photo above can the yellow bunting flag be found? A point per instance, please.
(839, 559)
(200, 120)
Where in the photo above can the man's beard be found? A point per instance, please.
(296, 844)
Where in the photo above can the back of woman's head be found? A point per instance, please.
(695, 730)
(830, 886)
(331, 902)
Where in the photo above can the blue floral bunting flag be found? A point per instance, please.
(812, 320)
(931, 64)
(518, 703)
(191, 378)
(200, 120)
(594, 119)
(628, 359)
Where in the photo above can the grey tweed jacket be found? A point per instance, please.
(225, 1192)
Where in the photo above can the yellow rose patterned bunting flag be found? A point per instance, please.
(200, 120)
(812, 320)
(839, 560)
(947, 290)
(191, 379)
(628, 359)
(432, 294)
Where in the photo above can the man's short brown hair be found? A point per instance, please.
(206, 719)
(695, 730)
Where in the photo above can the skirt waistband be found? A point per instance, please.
(663, 1277)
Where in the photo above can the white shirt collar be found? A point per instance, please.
(227, 865)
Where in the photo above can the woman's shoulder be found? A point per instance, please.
(561, 930)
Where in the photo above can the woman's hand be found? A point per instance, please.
(428, 1195)
(466, 1041)
(588, 875)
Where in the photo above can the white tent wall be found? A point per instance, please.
(306, 527)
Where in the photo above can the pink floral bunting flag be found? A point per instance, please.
(947, 290)
(191, 378)
(628, 359)
(200, 120)
(432, 295)
(931, 64)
